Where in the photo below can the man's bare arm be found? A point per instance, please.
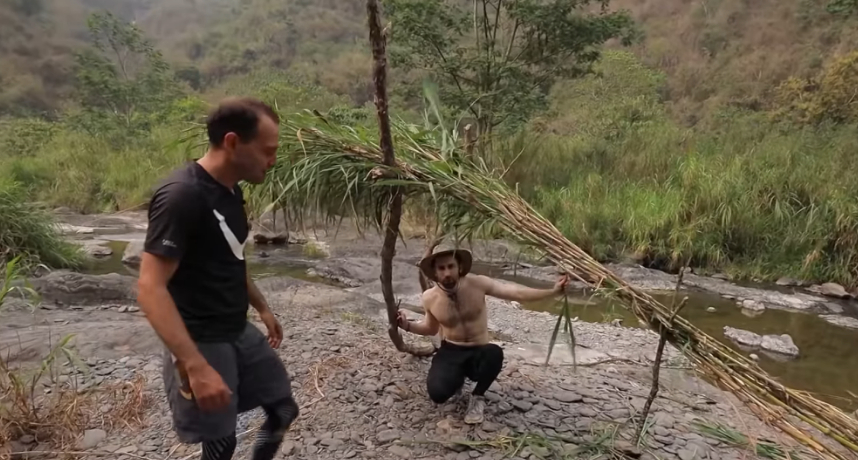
(257, 300)
(515, 292)
(160, 309)
(428, 326)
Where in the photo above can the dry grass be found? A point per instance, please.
(35, 403)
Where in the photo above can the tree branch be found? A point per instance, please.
(377, 40)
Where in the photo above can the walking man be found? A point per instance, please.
(194, 288)
(457, 306)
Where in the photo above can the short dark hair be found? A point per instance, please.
(237, 115)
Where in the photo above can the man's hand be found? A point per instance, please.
(275, 331)
(208, 388)
(561, 284)
(401, 320)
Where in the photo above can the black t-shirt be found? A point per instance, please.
(199, 221)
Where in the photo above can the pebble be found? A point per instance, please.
(92, 438)
(400, 451)
(567, 397)
(387, 436)
(523, 406)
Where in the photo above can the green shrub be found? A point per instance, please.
(28, 232)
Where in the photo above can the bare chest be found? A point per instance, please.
(465, 310)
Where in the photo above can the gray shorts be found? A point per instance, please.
(252, 371)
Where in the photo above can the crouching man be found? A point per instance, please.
(456, 306)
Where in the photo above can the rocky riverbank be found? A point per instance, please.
(362, 399)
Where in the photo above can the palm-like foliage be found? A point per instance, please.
(337, 170)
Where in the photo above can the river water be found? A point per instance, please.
(827, 366)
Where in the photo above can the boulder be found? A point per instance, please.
(781, 344)
(786, 281)
(753, 305)
(69, 288)
(834, 290)
(277, 239)
(133, 254)
(842, 321)
(742, 337)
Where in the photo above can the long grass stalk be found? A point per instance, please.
(340, 170)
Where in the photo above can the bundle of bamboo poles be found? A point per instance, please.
(339, 170)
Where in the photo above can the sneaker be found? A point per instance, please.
(476, 409)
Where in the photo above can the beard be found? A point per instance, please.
(449, 283)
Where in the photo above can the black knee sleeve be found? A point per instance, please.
(280, 417)
(220, 449)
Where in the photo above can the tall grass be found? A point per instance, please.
(93, 174)
(752, 200)
(739, 194)
(28, 232)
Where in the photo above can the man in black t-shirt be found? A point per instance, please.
(195, 289)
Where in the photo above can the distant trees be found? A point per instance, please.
(495, 60)
(121, 76)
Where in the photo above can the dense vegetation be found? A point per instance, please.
(719, 131)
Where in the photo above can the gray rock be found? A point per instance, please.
(842, 321)
(71, 288)
(92, 438)
(288, 448)
(753, 305)
(333, 443)
(711, 309)
(504, 407)
(587, 412)
(781, 344)
(834, 290)
(567, 397)
(133, 253)
(522, 406)
(742, 337)
(126, 450)
(833, 307)
(689, 454)
(388, 436)
(786, 281)
(97, 251)
(400, 451)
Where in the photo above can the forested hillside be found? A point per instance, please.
(716, 131)
(714, 53)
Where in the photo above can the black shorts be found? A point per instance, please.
(249, 367)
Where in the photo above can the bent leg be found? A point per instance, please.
(263, 381)
(446, 375)
(280, 417)
(485, 367)
(193, 425)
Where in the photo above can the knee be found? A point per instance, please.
(281, 415)
(438, 392)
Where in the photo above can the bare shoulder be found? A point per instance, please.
(481, 282)
(430, 295)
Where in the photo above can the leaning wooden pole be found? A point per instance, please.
(378, 39)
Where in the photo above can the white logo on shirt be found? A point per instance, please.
(237, 248)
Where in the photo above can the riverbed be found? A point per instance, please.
(825, 366)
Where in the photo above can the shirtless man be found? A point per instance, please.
(456, 306)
